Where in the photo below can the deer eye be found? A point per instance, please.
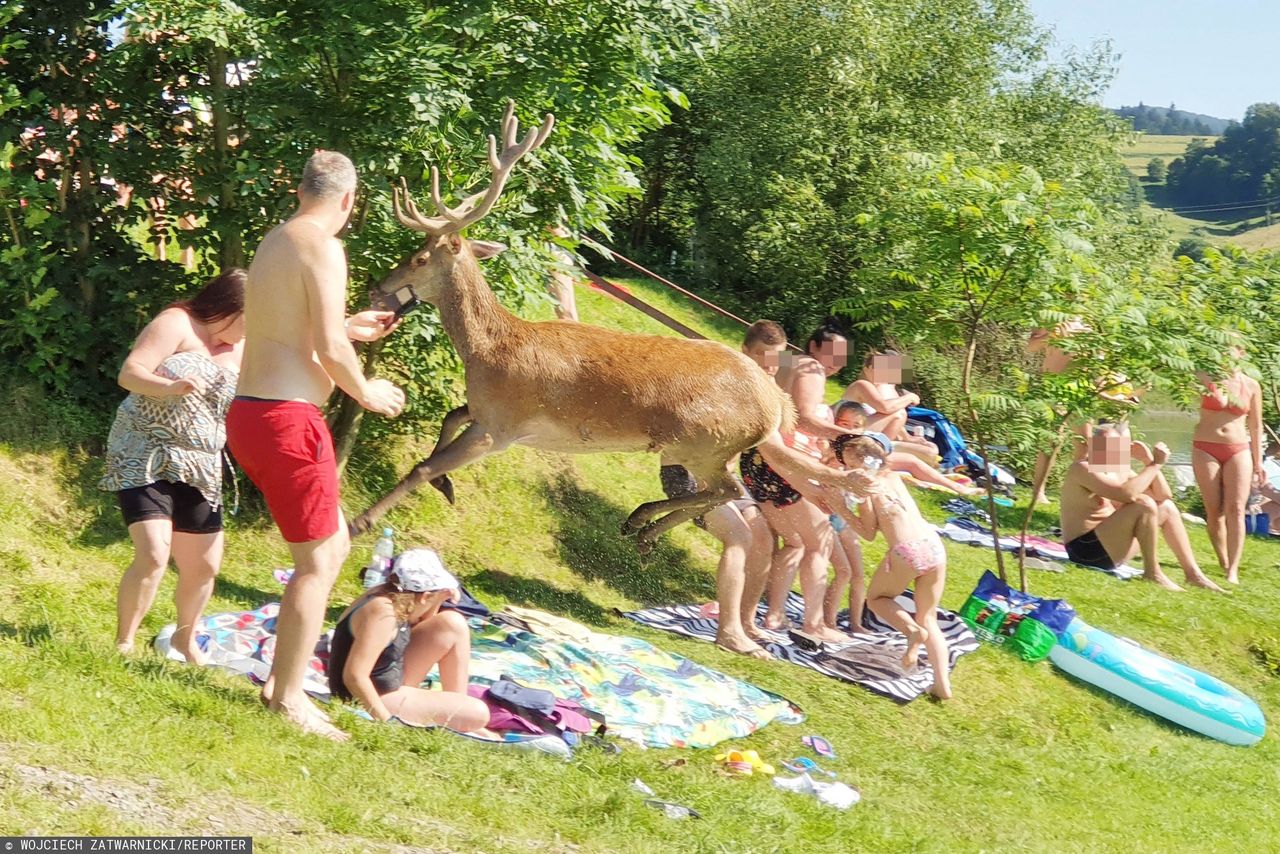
(419, 260)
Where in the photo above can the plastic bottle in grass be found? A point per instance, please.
(380, 564)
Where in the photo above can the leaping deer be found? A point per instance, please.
(575, 388)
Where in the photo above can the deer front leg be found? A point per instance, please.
(454, 421)
(474, 443)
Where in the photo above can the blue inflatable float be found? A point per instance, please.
(1173, 691)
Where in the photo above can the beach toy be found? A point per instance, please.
(744, 762)
(1173, 691)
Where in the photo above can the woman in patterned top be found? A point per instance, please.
(164, 454)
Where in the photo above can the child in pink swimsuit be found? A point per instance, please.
(915, 556)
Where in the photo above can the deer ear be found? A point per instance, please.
(484, 249)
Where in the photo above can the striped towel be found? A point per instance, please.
(872, 661)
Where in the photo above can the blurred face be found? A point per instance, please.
(891, 368)
(832, 354)
(766, 356)
(1109, 448)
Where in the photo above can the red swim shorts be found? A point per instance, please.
(285, 448)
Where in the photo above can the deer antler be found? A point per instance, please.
(476, 206)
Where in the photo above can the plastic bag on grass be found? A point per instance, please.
(1027, 625)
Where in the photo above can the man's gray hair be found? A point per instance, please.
(328, 174)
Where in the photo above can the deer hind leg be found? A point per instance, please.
(454, 421)
(721, 488)
(474, 443)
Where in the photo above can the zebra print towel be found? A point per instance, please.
(872, 661)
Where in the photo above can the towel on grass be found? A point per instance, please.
(974, 534)
(872, 661)
(648, 696)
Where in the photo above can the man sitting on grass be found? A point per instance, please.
(1109, 511)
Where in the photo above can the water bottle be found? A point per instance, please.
(380, 564)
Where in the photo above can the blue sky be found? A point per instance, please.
(1207, 56)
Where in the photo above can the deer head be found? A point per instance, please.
(428, 271)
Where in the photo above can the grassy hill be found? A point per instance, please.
(1023, 759)
(1243, 227)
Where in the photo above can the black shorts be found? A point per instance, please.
(677, 483)
(181, 503)
(1087, 550)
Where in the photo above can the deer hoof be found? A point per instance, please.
(357, 526)
(643, 547)
(445, 486)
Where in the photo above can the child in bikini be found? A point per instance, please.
(915, 557)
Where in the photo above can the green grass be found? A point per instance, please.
(1023, 759)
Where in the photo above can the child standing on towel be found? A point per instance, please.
(915, 556)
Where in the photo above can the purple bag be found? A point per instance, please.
(515, 708)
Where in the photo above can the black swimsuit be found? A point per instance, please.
(763, 483)
(388, 671)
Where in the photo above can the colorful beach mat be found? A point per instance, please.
(647, 695)
(872, 661)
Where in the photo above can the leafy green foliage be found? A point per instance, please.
(1243, 165)
(212, 109)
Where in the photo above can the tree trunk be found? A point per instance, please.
(82, 235)
(1031, 507)
(230, 241)
(345, 414)
(966, 377)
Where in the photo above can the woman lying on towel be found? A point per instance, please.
(387, 641)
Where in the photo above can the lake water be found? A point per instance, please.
(1171, 426)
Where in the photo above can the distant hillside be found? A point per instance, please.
(1170, 120)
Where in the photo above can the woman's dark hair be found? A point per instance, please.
(830, 329)
(221, 299)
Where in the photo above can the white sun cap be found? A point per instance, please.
(420, 571)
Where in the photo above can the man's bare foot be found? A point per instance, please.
(124, 647)
(1039, 498)
(310, 720)
(942, 692)
(826, 634)
(776, 622)
(1202, 580)
(1162, 580)
(859, 629)
(752, 631)
(915, 639)
(742, 645)
(1233, 577)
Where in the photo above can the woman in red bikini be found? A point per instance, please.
(1226, 455)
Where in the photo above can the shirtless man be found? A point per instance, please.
(297, 346)
(1109, 511)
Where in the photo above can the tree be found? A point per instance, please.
(1157, 171)
(974, 252)
(212, 108)
(793, 120)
